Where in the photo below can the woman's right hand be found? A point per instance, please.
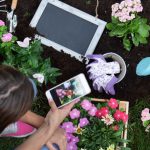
(56, 116)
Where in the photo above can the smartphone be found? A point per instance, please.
(69, 90)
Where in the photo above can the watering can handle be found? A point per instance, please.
(14, 4)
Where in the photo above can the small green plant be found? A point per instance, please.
(26, 56)
(127, 24)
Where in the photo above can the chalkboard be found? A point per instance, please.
(66, 29)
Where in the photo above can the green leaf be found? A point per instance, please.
(110, 26)
(143, 30)
(146, 123)
(127, 43)
(135, 40)
(125, 148)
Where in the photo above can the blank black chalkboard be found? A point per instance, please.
(66, 29)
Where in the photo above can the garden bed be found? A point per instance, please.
(131, 87)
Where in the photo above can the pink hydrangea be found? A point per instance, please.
(83, 122)
(7, 37)
(74, 114)
(113, 103)
(126, 10)
(2, 23)
(68, 127)
(92, 111)
(85, 104)
(145, 114)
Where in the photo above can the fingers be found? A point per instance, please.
(69, 106)
(52, 105)
(50, 145)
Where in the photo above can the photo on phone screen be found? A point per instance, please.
(68, 91)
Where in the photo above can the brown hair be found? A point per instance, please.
(16, 94)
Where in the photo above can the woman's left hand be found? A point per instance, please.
(58, 138)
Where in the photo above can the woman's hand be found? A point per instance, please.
(58, 138)
(55, 116)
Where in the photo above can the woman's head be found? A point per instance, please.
(16, 94)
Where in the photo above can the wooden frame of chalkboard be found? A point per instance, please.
(100, 25)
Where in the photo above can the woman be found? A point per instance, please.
(16, 95)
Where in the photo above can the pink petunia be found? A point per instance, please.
(85, 104)
(124, 117)
(117, 115)
(92, 111)
(145, 114)
(74, 114)
(74, 139)
(2, 23)
(68, 127)
(83, 122)
(102, 112)
(113, 103)
(71, 146)
(7, 37)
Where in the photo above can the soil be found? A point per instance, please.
(132, 87)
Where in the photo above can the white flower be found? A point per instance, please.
(108, 120)
(111, 147)
(101, 149)
(39, 77)
(25, 43)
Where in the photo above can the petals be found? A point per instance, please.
(25, 42)
(39, 77)
(7, 37)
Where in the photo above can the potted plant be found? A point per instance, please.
(95, 124)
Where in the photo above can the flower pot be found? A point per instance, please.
(115, 57)
(124, 105)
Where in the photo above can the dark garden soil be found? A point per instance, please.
(131, 87)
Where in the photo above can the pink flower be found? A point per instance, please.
(68, 127)
(2, 23)
(86, 105)
(74, 114)
(129, 3)
(115, 7)
(74, 139)
(115, 128)
(118, 115)
(83, 122)
(69, 137)
(102, 112)
(71, 146)
(145, 114)
(113, 103)
(7, 37)
(92, 111)
(124, 117)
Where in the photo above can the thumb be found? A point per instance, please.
(50, 145)
(52, 105)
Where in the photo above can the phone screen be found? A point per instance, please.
(67, 91)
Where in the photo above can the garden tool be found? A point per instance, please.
(2, 7)
(12, 18)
